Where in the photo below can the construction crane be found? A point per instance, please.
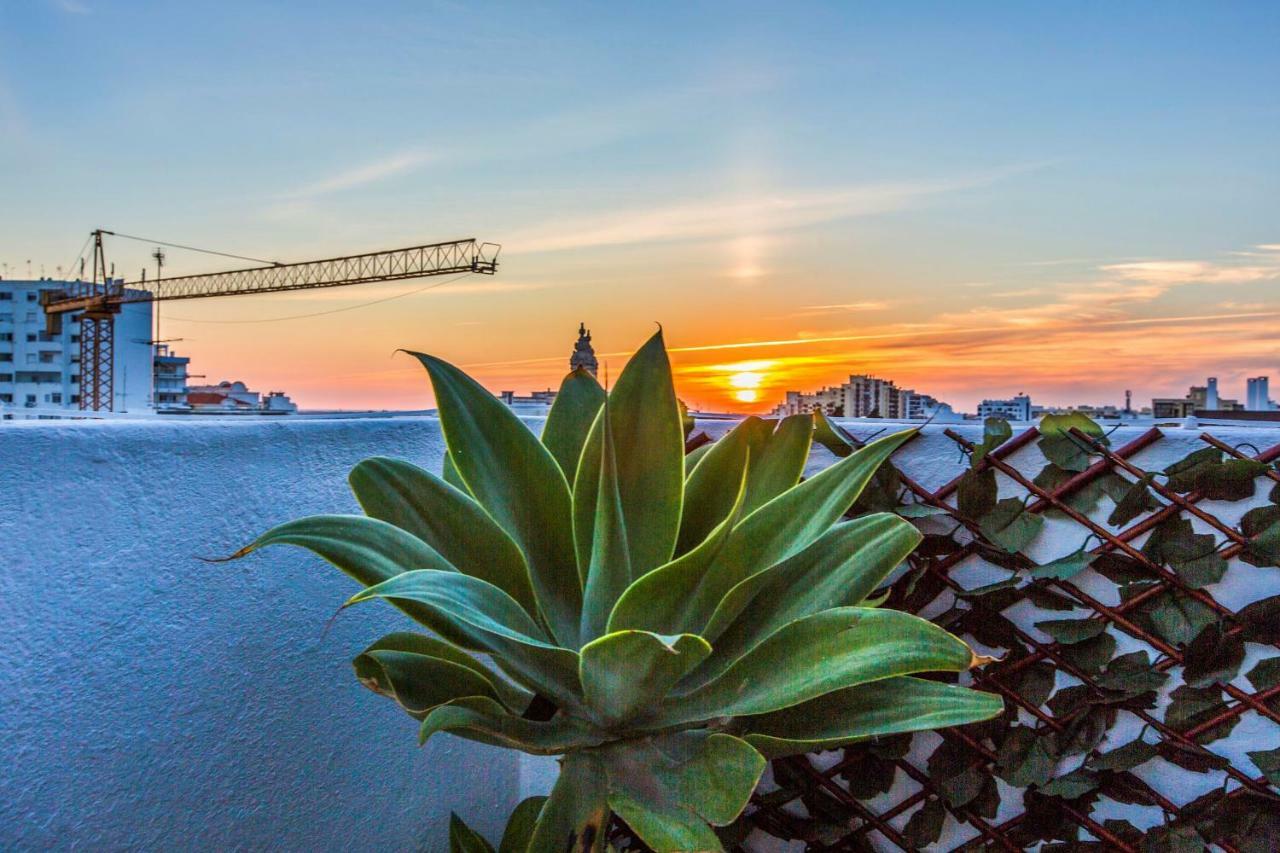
(97, 300)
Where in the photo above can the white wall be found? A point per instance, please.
(153, 701)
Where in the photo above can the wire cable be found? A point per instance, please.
(192, 249)
(431, 286)
(71, 270)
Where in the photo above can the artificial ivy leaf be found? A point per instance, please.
(1184, 473)
(1192, 555)
(995, 432)
(1061, 447)
(950, 768)
(1024, 758)
(919, 511)
(1077, 783)
(1176, 838)
(1121, 569)
(1126, 757)
(1232, 480)
(1265, 675)
(1268, 761)
(1091, 655)
(1262, 526)
(1191, 757)
(1261, 620)
(1250, 822)
(1084, 731)
(987, 803)
(1178, 618)
(1123, 830)
(1213, 656)
(1136, 500)
(1191, 706)
(1066, 567)
(1036, 683)
(976, 493)
(925, 826)
(1046, 599)
(1010, 526)
(867, 776)
(1067, 631)
(1132, 674)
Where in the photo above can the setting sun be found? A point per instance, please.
(746, 385)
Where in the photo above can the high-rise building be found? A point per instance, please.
(864, 396)
(169, 383)
(1258, 395)
(41, 372)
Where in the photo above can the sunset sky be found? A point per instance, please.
(972, 200)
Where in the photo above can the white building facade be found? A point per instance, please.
(1258, 394)
(1014, 409)
(40, 373)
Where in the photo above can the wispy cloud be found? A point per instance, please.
(1171, 273)
(730, 216)
(71, 7)
(365, 174)
(843, 308)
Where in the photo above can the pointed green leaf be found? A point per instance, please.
(481, 719)
(576, 815)
(369, 550)
(515, 698)
(418, 683)
(518, 483)
(832, 650)
(1065, 568)
(609, 572)
(448, 520)
(840, 569)
(464, 839)
(519, 831)
(1011, 525)
(780, 462)
(627, 673)
(669, 789)
(832, 436)
(651, 601)
(891, 706)
(574, 410)
(479, 616)
(449, 473)
(649, 436)
(783, 527)
(712, 488)
(691, 460)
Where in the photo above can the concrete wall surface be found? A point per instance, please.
(152, 701)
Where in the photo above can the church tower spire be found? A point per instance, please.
(583, 355)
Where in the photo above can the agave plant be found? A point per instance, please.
(663, 623)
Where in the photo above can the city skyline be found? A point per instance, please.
(974, 202)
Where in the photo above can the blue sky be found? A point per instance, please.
(964, 181)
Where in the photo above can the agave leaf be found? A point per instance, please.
(519, 831)
(668, 799)
(479, 616)
(464, 839)
(831, 650)
(418, 683)
(518, 483)
(647, 429)
(891, 706)
(710, 492)
(574, 410)
(449, 473)
(448, 520)
(779, 464)
(832, 436)
(366, 549)
(683, 602)
(653, 601)
(481, 719)
(515, 698)
(609, 572)
(628, 672)
(691, 460)
(841, 568)
(576, 815)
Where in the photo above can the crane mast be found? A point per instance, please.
(98, 300)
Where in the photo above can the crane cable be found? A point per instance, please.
(431, 286)
(192, 249)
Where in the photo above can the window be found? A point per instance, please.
(6, 318)
(6, 356)
(5, 296)
(75, 379)
(6, 336)
(49, 356)
(53, 398)
(75, 339)
(31, 337)
(6, 398)
(31, 399)
(75, 398)
(32, 296)
(6, 377)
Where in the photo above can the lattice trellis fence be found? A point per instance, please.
(1137, 618)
